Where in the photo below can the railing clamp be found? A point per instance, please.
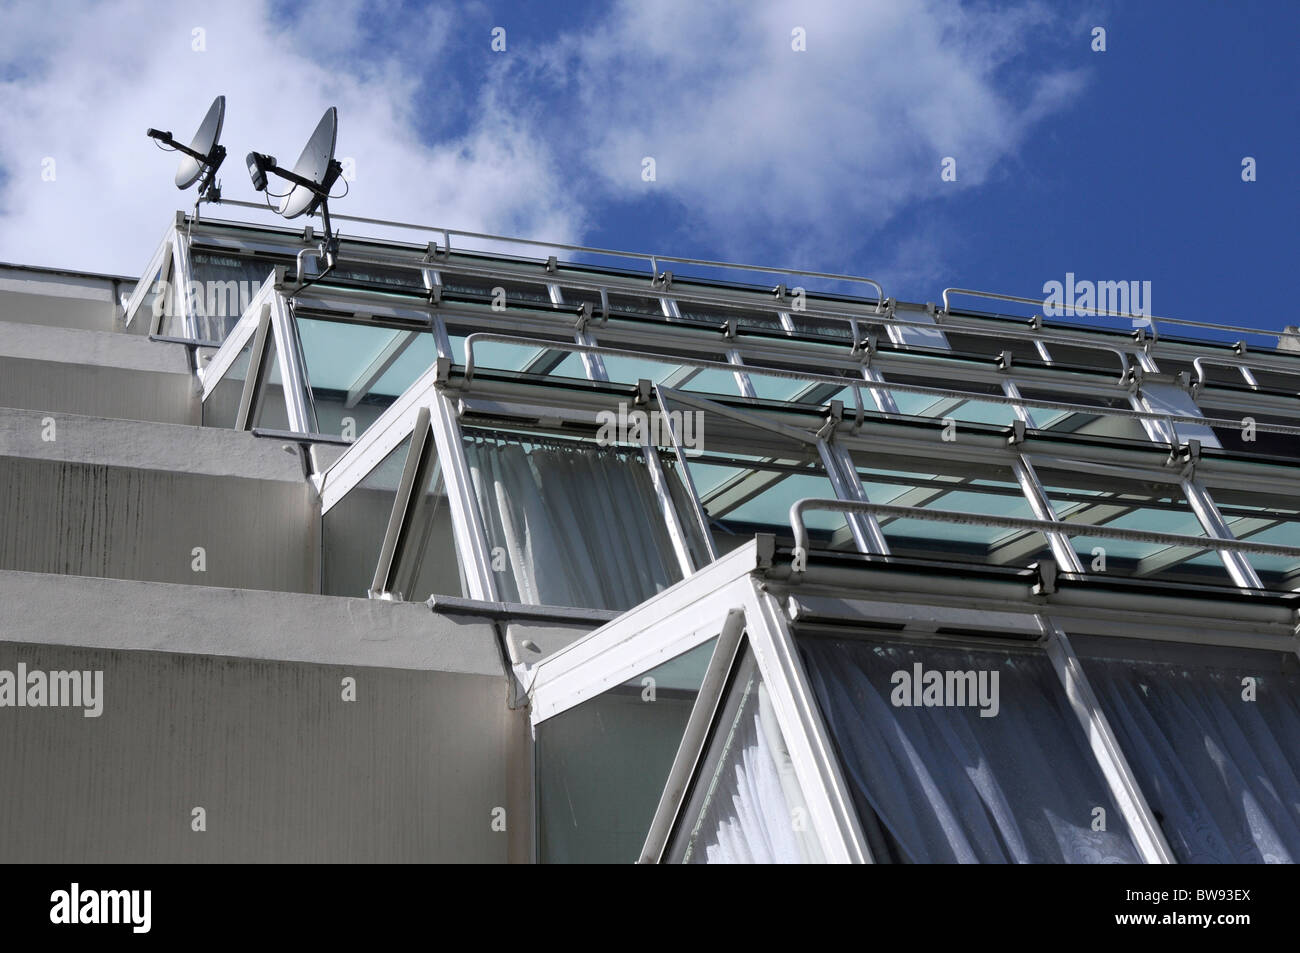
(834, 415)
(1046, 571)
(583, 316)
(864, 348)
(552, 265)
(1005, 360)
(1188, 455)
(729, 329)
(663, 280)
(1017, 435)
(644, 393)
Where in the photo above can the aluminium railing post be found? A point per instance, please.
(293, 374)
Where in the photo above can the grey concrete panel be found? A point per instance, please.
(285, 769)
(94, 520)
(149, 616)
(147, 446)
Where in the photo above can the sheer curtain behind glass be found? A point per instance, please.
(1220, 770)
(754, 811)
(579, 526)
(944, 785)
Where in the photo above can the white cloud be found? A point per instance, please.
(81, 87)
(806, 154)
(793, 158)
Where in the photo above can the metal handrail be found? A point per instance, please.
(800, 530)
(447, 233)
(853, 382)
(1199, 364)
(878, 316)
(1095, 312)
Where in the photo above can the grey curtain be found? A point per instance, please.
(944, 785)
(1221, 773)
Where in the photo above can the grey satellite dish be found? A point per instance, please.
(203, 156)
(316, 164)
(312, 178)
(209, 132)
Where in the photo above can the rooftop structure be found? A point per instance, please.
(634, 557)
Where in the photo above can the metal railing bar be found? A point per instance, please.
(856, 383)
(800, 530)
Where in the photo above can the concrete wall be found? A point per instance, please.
(99, 373)
(231, 701)
(60, 299)
(133, 500)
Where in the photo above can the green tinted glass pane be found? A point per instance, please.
(602, 765)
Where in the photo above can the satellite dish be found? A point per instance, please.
(203, 142)
(317, 165)
(312, 178)
(203, 156)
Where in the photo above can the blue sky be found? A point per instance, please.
(1115, 165)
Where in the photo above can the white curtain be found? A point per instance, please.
(1221, 772)
(578, 526)
(755, 813)
(944, 785)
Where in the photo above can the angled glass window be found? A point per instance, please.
(820, 393)
(963, 755)
(221, 408)
(719, 316)
(961, 487)
(747, 477)
(570, 522)
(425, 559)
(1213, 738)
(270, 412)
(1100, 499)
(224, 285)
(602, 764)
(629, 370)
(531, 359)
(356, 371)
(1246, 437)
(352, 530)
(479, 286)
(746, 806)
(1081, 421)
(1277, 523)
(965, 409)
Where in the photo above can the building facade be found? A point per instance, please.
(542, 553)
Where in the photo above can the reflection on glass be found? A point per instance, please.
(352, 531)
(602, 765)
(269, 410)
(356, 371)
(426, 561)
(222, 405)
(225, 284)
